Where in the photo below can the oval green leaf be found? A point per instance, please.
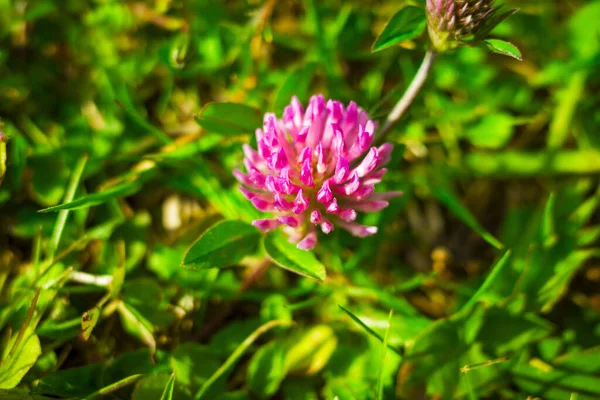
(504, 48)
(223, 245)
(287, 256)
(406, 24)
(229, 118)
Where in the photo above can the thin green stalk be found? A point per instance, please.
(237, 354)
(383, 353)
(410, 94)
(61, 219)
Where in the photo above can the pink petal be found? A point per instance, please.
(306, 174)
(301, 138)
(326, 226)
(289, 220)
(266, 225)
(332, 207)
(324, 194)
(244, 179)
(347, 214)
(305, 154)
(358, 229)
(374, 177)
(371, 206)
(282, 204)
(321, 162)
(261, 204)
(342, 170)
(353, 185)
(309, 242)
(368, 164)
(315, 217)
(300, 203)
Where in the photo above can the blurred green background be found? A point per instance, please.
(490, 260)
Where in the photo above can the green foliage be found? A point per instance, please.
(121, 124)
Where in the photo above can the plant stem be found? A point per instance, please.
(409, 95)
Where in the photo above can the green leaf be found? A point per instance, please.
(369, 330)
(168, 393)
(89, 319)
(267, 369)
(94, 199)
(193, 364)
(287, 256)
(406, 24)
(586, 361)
(2, 157)
(494, 277)
(504, 48)
(493, 131)
(236, 355)
(383, 353)
(555, 383)
(20, 360)
(229, 118)
(136, 325)
(454, 204)
(114, 386)
(296, 84)
(223, 245)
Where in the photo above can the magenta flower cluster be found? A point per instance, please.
(315, 167)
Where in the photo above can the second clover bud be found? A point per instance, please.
(455, 22)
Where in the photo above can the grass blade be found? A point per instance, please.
(383, 352)
(237, 354)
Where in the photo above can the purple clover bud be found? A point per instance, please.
(315, 167)
(454, 22)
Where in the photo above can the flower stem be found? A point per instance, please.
(409, 95)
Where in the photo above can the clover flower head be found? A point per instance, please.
(452, 22)
(315, 167)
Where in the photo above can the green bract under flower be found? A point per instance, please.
(455, 22)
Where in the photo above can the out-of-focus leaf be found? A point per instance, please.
(310, 350)
(454, 204)
(406, 24)
(89, 319)
(506, 333)
(267, 369)
(49, 178)
(229, 118)
(114, 386)
(495, 275)
(554, 383)
(223, 245)
(504, 48)
(193, 364)
(169, 389)
(564, 271)
(493, 131)
(296, 84)
(136, 325)
(586, 361)
(236, 355)
(287, 256)
(368, 329)
(94, 199)
(18, 361)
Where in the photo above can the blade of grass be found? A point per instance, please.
(168, 393)
(237, 354)
(369, 330)
(383, 352)
(114, 386)
(61, 219)
(490, 280)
